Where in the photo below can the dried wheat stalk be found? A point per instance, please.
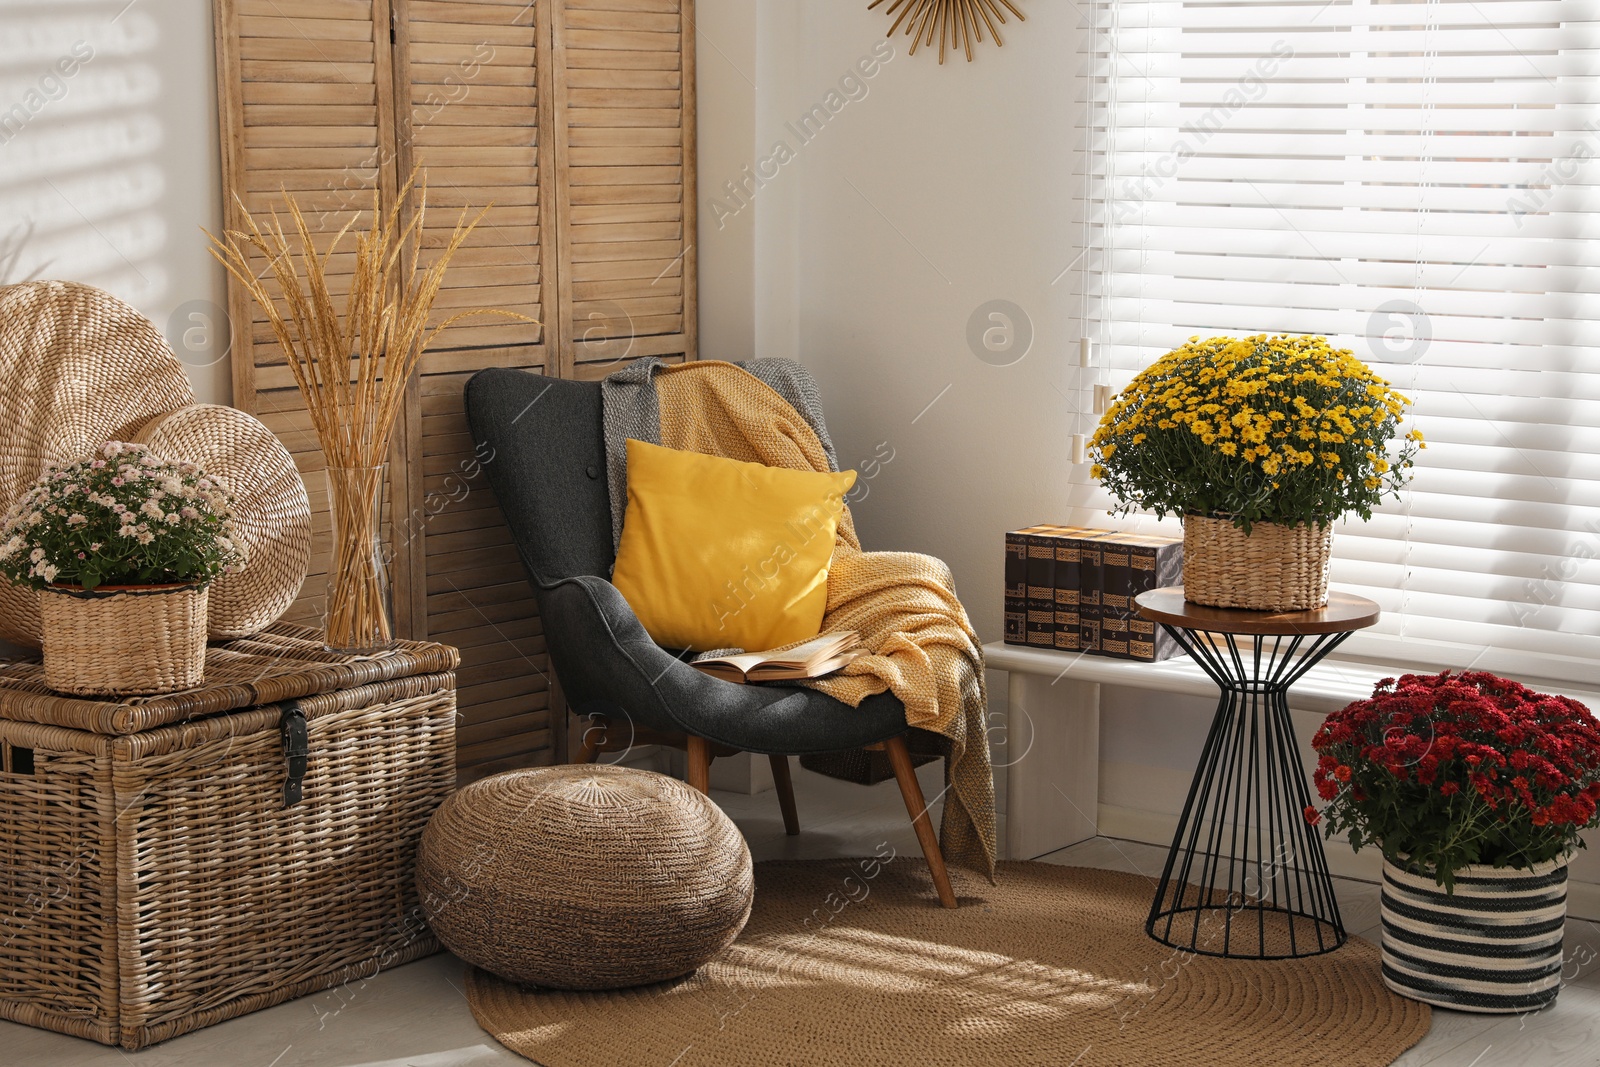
(352, 368)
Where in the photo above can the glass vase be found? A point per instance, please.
(358, 602)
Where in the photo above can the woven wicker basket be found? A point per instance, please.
(160, 875)
(124, 639)
(1273, 568)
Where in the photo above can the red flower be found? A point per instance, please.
(1313, 816)
(1509, 761)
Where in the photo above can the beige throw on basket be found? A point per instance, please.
(903, 604)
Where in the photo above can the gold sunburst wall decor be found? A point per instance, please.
(957, 23)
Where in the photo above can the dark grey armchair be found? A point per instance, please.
(548, 468)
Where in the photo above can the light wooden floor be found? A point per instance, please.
(416, 1016)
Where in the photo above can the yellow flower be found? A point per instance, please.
(1279, 401)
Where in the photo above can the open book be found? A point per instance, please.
(819, 656)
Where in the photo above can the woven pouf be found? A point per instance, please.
(584, 877)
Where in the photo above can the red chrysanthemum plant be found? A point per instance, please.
(1449, 771)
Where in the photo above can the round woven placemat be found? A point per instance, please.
(78, 367)
(1050, 966)
(271, 510)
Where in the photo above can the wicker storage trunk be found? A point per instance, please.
(169, 862)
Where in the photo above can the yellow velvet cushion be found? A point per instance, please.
(716, 553)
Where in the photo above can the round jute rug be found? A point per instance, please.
(854, 962)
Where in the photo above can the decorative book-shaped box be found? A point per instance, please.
(1072, 588)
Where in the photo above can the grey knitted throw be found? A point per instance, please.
(631, 409)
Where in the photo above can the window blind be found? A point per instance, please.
(1419, 181)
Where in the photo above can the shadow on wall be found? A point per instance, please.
(90, 183)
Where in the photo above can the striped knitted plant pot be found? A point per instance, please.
(1494, 945)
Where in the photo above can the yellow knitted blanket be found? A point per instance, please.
(903, 604)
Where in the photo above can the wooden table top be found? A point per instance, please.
(1344, 612)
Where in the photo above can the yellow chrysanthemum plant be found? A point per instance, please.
(1280, 429)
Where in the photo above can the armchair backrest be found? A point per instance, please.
(540, 440)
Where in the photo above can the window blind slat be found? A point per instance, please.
(1401, 69)
(1460, 95)
(1473, 277)
(1343, 13)
(1351, 323)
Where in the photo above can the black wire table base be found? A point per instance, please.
(1246, 877)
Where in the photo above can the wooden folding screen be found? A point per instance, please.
(575, 120)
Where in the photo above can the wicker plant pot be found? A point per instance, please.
(1273, 568)
(1494, 945)
(124, 639)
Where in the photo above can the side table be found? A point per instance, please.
(1246, 877)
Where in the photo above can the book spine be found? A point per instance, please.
(1068, 637)
(1143, 634)
(1090, 584)
(1041, 628)
(1016, 588)
(1115, 601)
(1114, 634)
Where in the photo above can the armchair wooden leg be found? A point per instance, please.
(700, 764)
(906, 774)
(594, 737)
(780, 778)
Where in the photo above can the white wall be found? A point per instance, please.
(931, 191)
(726, 91)
(107, 173)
